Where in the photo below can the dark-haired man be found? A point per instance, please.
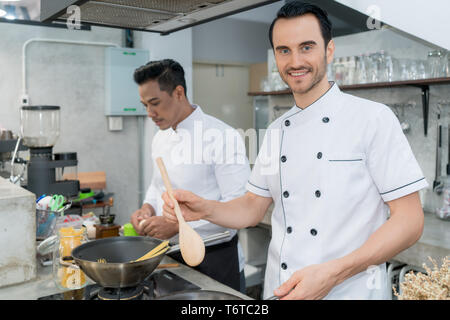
(198, 157)
(333, 165)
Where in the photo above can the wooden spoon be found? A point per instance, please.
(192, 246)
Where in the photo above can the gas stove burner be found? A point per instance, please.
(160, 283)
(133, 293)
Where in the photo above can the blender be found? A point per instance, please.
(39, 126)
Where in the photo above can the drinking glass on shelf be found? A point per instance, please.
(265, 85)
(381, 66)
(389, 69)
(372, 67)
(446, 64)
(413, 70)
(361, 70)
(421, 69)
(434, 63)
(403, 69)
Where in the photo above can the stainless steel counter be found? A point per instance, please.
(43, 285)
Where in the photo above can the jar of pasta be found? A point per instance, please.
(66, 274)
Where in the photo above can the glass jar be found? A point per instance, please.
(66, 274)
(434, 63)
(39, 125)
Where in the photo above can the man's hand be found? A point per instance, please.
(192, 206)
(139, 215)
(310, 283)
(159, 227)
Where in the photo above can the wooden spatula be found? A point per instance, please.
(192, 246)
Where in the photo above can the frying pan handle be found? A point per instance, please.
(208, 239)
(68, 261)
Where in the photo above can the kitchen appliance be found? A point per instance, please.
(154, 16)
(120, 279)
(158, 284)
(40, 130)
(118, 271)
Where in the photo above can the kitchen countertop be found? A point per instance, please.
(43, 285)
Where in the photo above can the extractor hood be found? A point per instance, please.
(162, 16)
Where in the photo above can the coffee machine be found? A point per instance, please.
(39, 127)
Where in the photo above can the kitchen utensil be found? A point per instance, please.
(199, 295)
(56, 202)
(168, 265)
(118, 271)
(191, 244)
(437, 184)
(157, 250)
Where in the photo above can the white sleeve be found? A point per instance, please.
(390, 159)
(266, 164)
(233, 171)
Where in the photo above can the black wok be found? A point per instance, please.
(119, 271)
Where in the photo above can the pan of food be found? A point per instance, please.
(111, 262)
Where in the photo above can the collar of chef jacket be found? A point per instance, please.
(327, 198)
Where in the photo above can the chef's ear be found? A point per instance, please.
(330, 51)
(178, 93)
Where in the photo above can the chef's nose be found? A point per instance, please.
(151, 113)
(296, 59)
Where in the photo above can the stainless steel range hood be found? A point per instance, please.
(163, 16)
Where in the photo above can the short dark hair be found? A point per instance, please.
(297, 8)
(167, 72)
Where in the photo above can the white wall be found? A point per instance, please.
(427, 20)
(72, 77)
(231, 41)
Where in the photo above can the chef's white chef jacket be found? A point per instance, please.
(330, 168)
(205, 156)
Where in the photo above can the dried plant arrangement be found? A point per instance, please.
(435, 285)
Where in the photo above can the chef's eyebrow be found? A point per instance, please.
(304, 43)
(308, 43)
(150, 100)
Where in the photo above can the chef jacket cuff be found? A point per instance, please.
(404, 190)
(260, 191)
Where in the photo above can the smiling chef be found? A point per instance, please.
(334, 165)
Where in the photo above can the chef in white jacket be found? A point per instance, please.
(202, 154)
(334, 165)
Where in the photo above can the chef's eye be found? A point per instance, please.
(284, 51)
(307, 48)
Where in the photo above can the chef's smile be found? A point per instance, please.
(298, 74)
